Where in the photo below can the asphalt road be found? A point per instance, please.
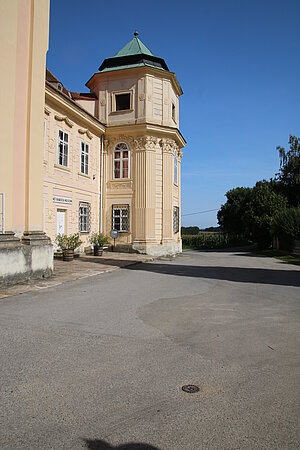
(99, 363)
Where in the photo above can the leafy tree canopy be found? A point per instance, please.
(289, 173)
(232, 213)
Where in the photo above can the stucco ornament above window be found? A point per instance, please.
(64, 119)
(85, 131)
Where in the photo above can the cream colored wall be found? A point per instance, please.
(69, 183)
(24, 38)
(8, 50)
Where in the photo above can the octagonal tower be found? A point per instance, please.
(138, 101)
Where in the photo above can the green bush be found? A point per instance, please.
(98, 239)
(70, 242)
(286, 227)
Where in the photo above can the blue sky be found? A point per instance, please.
(237, 62)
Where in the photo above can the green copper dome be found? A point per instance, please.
(133, 54)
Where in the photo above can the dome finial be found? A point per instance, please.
(136, 33)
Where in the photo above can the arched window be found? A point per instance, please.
(175, 167)
(121, 160)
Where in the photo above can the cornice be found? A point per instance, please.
(51, 95)
(121, 73)
(144, 129)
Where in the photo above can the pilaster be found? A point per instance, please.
(145, 204)
(168, 148)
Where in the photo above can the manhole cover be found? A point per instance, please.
(190, 388)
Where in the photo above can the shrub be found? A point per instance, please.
(70, 242)
(98, 239)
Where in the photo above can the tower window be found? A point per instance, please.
(121, 160)
(175, 219)
(173, 112)
(122, 101)
(120, 218)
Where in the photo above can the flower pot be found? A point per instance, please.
(68, 255)
(98, 251)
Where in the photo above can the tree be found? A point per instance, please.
(289, 174)
(263, 205)
(249, 212)
(232, 213)
(286, 227)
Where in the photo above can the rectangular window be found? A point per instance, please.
(63, 148)
(84, 158)
(173, 112)
(120, 218)
(175, 219)
(122, 101)
(84, 217)
(175, 167)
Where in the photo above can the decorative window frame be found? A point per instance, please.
(85, 153)
(121, 160)
(124, 224)
(65, 146)
(175, 219)
(114, 102)
(84, 211)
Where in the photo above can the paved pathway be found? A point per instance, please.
(83, 267)
(98, 363)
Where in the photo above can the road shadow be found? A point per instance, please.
(97, 444)
(237, 274)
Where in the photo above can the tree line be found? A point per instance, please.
(269, 209)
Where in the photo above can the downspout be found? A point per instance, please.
(101, 183)
(3, 212)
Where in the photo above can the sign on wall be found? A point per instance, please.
(62, 200)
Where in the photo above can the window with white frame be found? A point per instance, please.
(63, 148)
(84, 158)
(175, 167)
(84, 217)
(120, 218)
(175, 219)
(121, 160)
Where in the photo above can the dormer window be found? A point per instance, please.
(59, 87)
(122, 101)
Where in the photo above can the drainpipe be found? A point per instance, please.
(3, 212)
(101, 184)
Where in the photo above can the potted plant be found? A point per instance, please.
(98, 240)
(68, 244)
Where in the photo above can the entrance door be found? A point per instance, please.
(60, 220)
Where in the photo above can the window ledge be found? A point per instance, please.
(121, 111)
(64, 168)
(84, 175)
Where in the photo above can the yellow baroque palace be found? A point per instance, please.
(107, 159)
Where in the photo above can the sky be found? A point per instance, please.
(237, 62)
